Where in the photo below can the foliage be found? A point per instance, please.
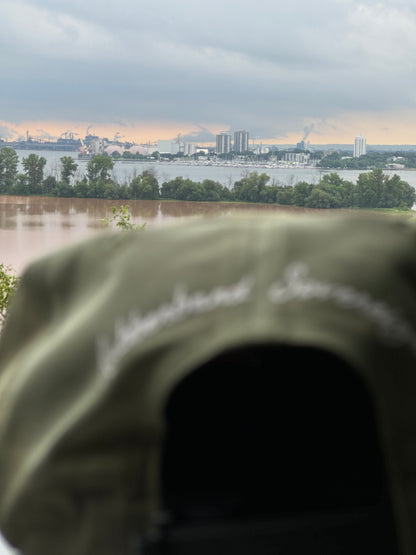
(338, 191)
(301, 192)
(64, 189)
(145, 186)
(377, 190)
(8, 170)
(122, 219)
(98, 168)
(186, 189)
(341, 160)
(285, 195)
(252, 188)
(34, 166)
(21, 187)
(69, 167)
(50, 186)
(8, 285)
(373, 189)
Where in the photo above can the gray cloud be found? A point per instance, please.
(274, 67)
(6, 132)
(203, 135)
(44, 134)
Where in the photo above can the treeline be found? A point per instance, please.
(344, 160)
(373, 189)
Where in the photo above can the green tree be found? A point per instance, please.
(285, 194)
(9, 161)
(318, 199)
(34, 166)
(182, 189)
(145, 186)
(8, 285)
(191, 190)
(268, 194)
(377, 190)
(170, 189)
(409, 159)
(97, 188)
(124, 192)
(301, 192)
(369, 189)
(340, 191)
(64, 189)
(99, 167)
(50, 186)
(331, 160)
(317, 155)
(407, 194)
(110, 191)
(121, 217)
(249, 189)
(397, 193)
(22, 187)
(68, 168)
(81, 189)
(213, 191)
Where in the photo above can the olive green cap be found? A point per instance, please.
(101, 333)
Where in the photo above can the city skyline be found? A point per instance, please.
(159, 131)
(148, 72)
(217, 141)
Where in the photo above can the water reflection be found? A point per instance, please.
(32, 226)
(18, 212)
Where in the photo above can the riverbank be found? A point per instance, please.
(224, 174)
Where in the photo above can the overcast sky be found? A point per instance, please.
(328, 70)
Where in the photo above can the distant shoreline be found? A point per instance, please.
(33, 145)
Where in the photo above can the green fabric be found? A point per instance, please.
(100, 333)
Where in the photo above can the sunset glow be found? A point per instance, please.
(391, 129)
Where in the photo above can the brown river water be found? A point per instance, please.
(33, 226)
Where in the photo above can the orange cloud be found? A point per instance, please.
(378, 128)
(133, 132)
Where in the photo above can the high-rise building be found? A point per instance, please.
(223, 143)
(240, 141)
(360, 146)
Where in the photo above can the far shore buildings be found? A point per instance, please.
(223, 143)
(297, 157)
(360, 146)
(240, 144)
(240, 141)
(175, 146)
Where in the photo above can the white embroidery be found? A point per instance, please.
(132, 332)
(298, 285)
